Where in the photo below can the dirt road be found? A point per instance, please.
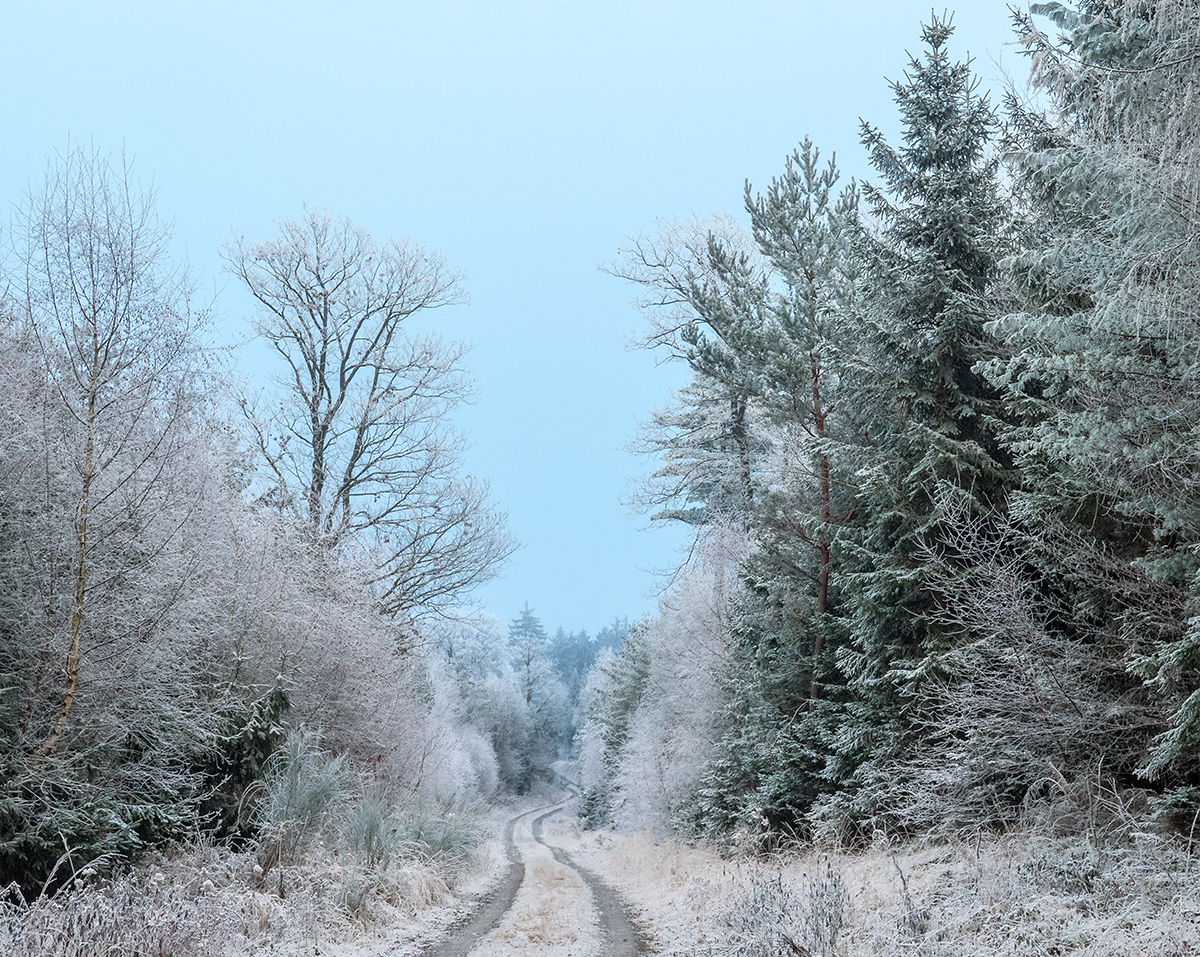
(545, 904)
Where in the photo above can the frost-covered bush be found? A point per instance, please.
(656, 711)
(303, 787)
(774, 919)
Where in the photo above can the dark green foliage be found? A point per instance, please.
(932, 422)
(1108, 351)
(574, 653)
(102, 805)
(970, 498)
(239, 760)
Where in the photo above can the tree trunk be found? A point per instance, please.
(823, 551)
(81, 571)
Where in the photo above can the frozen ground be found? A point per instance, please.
(1020, 895)
(529, 899)
(1016, 895)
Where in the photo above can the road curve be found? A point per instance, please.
(621, 937)
(487, 916)
(620, 934)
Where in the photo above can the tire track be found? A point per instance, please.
(620, 935)
(488, 915)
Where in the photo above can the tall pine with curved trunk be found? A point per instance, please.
(765, 320)
(930, 420)
(805, 230)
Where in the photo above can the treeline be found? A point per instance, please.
(229, 613)
(522, 688)
(940, 452)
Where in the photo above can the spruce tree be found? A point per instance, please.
(1106, 354)
(931, 422)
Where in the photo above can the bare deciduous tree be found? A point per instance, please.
(115, 331)
(358, 441)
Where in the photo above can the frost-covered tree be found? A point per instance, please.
(805, 231)
(932, 421)
(542, 693)
(102, 408)
(357, 438)
(708, 441)
(769, 316)
(680, 726)
(115, 333)
(1106, 349)
(610, 697)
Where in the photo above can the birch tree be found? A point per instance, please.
(116, 334)
(103, 470)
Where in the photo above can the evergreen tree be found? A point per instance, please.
(764, 321)
(1106, 352)
(709, 449)
(931, 420)
(527, 640)
(702, 283)
(542, 694)
(786, 692)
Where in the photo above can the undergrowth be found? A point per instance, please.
(334, 853)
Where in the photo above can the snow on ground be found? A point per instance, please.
(1017, 895)
(552, 915)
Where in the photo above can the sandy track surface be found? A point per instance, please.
(619, 934)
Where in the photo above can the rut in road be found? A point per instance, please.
(488, 915)
(513, 917)
(620, 934)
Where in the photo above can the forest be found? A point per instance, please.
(935, 450)
(933, 460)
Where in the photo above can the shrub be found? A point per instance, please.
(302, 787)
(771, 919)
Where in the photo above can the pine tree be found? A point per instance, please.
(765, 320)
(708, 445)
(786, 693)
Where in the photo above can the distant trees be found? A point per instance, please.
(574, 652)
(515, 688)
(543, 695)
(358, 442)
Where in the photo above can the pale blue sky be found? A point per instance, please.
(525, 142)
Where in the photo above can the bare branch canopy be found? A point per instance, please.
(357, 439)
